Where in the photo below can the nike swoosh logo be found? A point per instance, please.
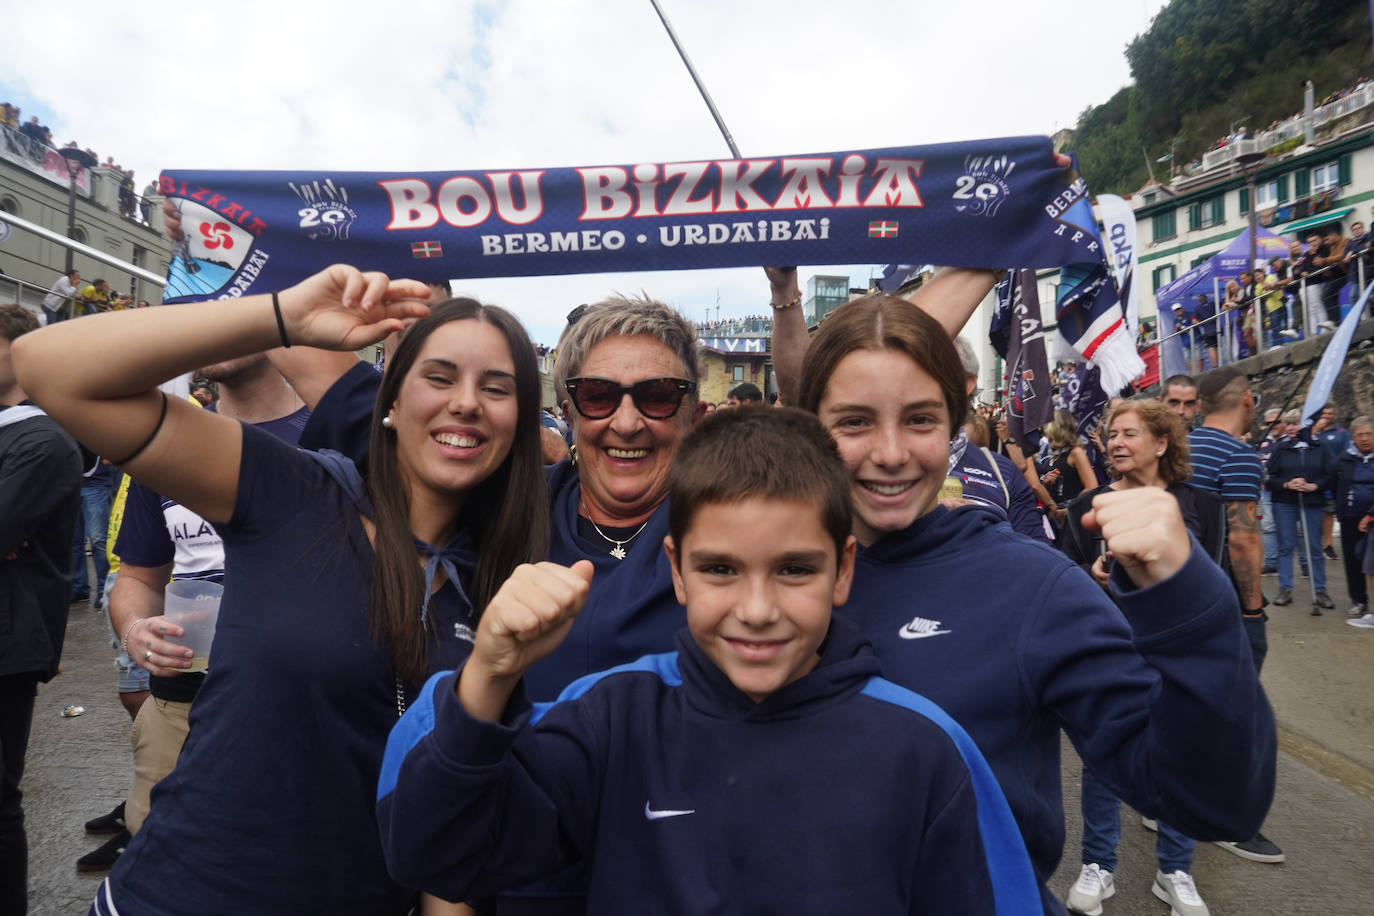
(910, 632)
(653, 815)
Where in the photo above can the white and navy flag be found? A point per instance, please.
(1018, 335)
(984, 203)
(1119, 231)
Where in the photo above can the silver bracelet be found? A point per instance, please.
(124, 643)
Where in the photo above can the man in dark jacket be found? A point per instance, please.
(1354, 500)
(40, 494)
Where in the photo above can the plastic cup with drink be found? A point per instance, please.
(193, 605)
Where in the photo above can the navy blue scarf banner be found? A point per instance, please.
(984, 203)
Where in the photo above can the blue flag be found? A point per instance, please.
(1332, 360)
(985, 203)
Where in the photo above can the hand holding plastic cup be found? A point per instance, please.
(193, 605)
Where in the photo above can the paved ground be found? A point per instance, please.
(1317, 676)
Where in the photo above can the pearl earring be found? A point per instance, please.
(386, 421)
(1157, 454)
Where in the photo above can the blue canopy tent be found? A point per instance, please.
(1208, 278)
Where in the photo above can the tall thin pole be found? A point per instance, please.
(705, 96)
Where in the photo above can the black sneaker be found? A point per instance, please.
(103, 858)
(1322, 599)
(1330, 552)
(1258, 848)
(1269, 570)
(107, 823)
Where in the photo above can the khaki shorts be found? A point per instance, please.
(157, 736)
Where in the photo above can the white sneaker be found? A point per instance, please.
(1289, 333)
(1365, 623)
(1092, 887)
(1327, 325)
(1177, 890)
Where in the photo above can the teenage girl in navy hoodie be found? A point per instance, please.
(1159, 697)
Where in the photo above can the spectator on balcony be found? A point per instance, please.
(95, 297)
(1310, 284)
(1333, 258)
(1270, 290)
(127, 196)
(9, 115)
(33, 130)
(145, 203)
(1205, 316)
(1358, 261)
(61, 294)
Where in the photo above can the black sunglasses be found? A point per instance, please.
(656, 398)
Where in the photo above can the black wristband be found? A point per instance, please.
(151, 436)
(281, 325)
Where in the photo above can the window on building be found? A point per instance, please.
(1206, 214)
(79, 235)
(1164, 275)
(1164, 226)
(1325, 177)
(1266, 195)
(10, 205)
(737, 373)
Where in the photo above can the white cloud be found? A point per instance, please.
(435, 85)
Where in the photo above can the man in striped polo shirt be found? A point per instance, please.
(1223, 464)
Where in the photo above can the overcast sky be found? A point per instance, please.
(457, 84)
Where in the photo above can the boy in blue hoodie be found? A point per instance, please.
(763, 767)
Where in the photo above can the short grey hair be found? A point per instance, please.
(1362, 422)
(624, 316)
(967, 356)
(1292, 416)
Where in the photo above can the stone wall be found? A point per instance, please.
(1283, 377)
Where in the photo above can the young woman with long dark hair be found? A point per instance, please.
(341, 594)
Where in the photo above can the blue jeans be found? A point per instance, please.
(95, 521)
(1102, 831)
(1268, 530)
(1288, 520)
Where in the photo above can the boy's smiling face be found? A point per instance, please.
(759, 578)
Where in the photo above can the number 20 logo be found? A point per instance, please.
(314, 216)
(967, 188)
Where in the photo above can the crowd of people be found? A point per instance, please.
(1299, 296)
(450, 671)
(131, 205)
(70, 297)
(1242, 133)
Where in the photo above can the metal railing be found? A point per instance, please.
(1287, 130)
(1303, 308)
(28, 152)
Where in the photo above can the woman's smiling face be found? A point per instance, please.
(889, 418)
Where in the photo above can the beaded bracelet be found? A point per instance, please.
(124, 643)
(793, 303)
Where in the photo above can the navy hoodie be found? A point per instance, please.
(631, 609)
(1017, 643)
(839, 793)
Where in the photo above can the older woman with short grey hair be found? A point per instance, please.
(627, 377)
